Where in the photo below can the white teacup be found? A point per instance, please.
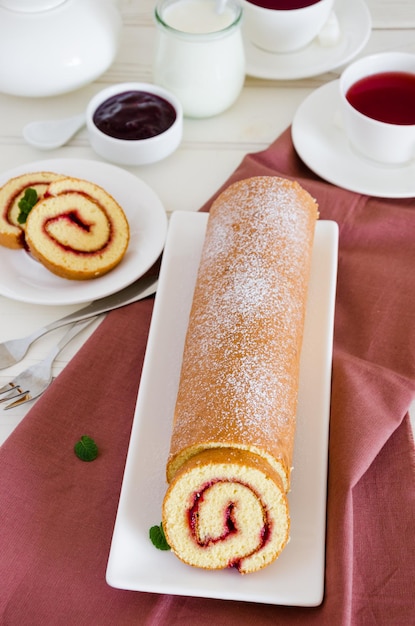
(284, 30)
(391, 141)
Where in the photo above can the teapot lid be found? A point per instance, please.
(30, 6)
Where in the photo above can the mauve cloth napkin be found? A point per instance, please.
(57, 513)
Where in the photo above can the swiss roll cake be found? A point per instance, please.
(77, 230)
(232, 440)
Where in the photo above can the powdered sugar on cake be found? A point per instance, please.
(239, 378)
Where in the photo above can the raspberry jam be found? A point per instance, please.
(134, 115)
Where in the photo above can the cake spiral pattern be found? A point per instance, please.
(77, 230)
(233, 433)
(11, 231)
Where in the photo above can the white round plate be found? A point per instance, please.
(355, 25)
(322, 144)
(22, 278)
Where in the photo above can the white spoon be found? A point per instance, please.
(51, 134)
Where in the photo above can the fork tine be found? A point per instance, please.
(15, 391)
(24, 397)
(6, 387)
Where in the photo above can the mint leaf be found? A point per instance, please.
(86, 449)
(158, 538)
(26, 204)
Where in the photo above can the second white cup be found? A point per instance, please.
(274, 26)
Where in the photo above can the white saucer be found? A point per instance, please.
(355, 25)
(323, 146)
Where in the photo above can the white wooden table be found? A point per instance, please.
(210, 151)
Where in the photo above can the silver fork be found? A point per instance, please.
(13, 351)
(34, 380)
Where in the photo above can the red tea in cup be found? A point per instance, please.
(387, 97)
(377, 100)
(283, 5)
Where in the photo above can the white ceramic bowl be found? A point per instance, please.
(134, 151)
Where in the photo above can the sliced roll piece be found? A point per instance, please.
(226, 507)
(78, 230)
(11, 230)
(234, 421)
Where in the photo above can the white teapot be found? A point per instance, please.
(49, 47)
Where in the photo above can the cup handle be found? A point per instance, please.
(330, 32)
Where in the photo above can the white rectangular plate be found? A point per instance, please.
(297, 577)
